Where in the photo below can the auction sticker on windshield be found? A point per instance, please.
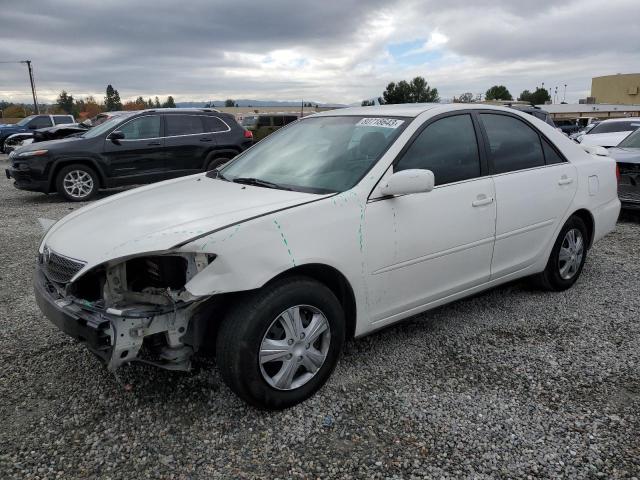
(380, 122)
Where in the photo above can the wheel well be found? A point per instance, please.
(60, 165)
(336, 282)
(587, 218)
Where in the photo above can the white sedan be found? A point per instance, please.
(609, 133)
(337, 225)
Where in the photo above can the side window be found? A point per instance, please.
(40, 122)
(60, 119)
(514, 145)
(182, 125)
(278, 121)
(550, 155)
(214, 124)
(141, 128)
(448, 147)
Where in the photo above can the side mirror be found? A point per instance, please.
(116, 135)
(406, 182)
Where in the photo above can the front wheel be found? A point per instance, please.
(279, 345)
(77, 183)
(567, 257)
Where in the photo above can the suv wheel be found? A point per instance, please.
(77, 183)
(279, 345)
(216, 162)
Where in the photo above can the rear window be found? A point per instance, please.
(183, 125)
(214, 124)
(61, 119)
(613, 127)
(249, 121)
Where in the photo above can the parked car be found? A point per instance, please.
(17, 140)
(578, 135)
(627, 156)
(568, 127)
(32, 122)
(265, 124)
(59, 131)
(335, 226)
(610, 133)
(140, 147)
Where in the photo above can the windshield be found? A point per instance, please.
(632, 141)
(318, 154)
(614, 127)
(25, 120)
(103, 127)
(249, 121)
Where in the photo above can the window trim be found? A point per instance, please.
(541, 137)
(482, 154)
(162, 127)
(203, 125)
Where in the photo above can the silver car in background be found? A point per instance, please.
(627, 157)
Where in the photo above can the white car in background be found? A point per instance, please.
(609, 133)
(336, 225)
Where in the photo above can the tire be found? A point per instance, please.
(561, 273)
(216, 162)
(256, 323)
(85, 190)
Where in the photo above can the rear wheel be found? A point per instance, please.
(567, 257)
(279, 345)
(217, 162)
(77, 183)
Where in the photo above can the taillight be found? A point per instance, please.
(248, 134)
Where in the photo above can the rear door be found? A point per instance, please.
(139, 157)
(534, 187)
(187, 144)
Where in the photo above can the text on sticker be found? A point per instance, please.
(380, 122)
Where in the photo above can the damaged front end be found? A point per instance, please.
(127, 310)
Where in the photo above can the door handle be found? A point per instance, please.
(205, 139)
(482, 199)
(154, 144)
(564, 180)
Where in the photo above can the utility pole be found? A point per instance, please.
(33, 85)
(564, 96)
(301, 108)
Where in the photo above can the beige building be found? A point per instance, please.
(621, 89)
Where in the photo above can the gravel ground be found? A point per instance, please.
(512, 383)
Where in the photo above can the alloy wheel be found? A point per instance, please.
(78, 183)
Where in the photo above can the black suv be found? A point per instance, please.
(132, 148)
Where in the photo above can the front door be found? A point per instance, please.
(534, 188)
(428, 246)
(139, 157)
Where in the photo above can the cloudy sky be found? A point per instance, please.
(329, 51)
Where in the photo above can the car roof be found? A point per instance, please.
(411, 109)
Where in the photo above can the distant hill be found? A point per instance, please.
(254, 103)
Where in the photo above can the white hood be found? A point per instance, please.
(603, 139)
(160, 216)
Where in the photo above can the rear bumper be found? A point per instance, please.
(605, 218)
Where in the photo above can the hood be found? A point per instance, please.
(625, 155)
(50, 144)
(160, 216)
(604, 139)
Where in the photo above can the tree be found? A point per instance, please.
(137, 104)
(466, 97)
(15, 111)
(65, 102)
(156, 103)
(416, 91)
(367, 103)
(498, 92)
(538, 97)
(169, 103)
(229, 103)
(149, 103)
(112, 100)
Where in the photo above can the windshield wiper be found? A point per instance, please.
(259, 183)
